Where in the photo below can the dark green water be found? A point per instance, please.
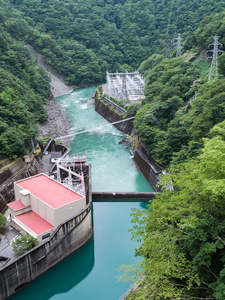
(89, 273)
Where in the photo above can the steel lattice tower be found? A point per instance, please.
(216, 51)
(179, 44)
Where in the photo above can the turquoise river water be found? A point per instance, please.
(90, 273)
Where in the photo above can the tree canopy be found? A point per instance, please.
(24, 88)
(184, 233)
(24, 244)
(84, 39)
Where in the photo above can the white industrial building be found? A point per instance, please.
(42, 204)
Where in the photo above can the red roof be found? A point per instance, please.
(49, 191)
(34, 222)
(16, 205)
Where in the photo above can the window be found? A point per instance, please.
(45, 236)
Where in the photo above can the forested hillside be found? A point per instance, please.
(181, 106)
(83, 39)
(182, 122)
(24, 88)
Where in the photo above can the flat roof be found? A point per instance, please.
(49, 191)
(34, 222)
(16, 205)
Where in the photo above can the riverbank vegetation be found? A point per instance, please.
(183, 230)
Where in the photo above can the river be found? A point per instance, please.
(90, 273)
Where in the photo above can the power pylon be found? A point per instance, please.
(179, 44)
(216, 51)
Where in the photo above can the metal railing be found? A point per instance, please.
(112, 104)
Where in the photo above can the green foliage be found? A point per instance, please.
(183, 232)
(172, 130)
(203, 66)
(169, 85)
(84, 39)
(133, 109)
(24, 244)
(2, 220)
(24, 88)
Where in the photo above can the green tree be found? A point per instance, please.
(184, 233)
(24, 244)
(2, 220)
(133, 109)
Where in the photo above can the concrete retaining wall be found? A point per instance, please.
(67, 238)
(148, 168)
(16, 171)
(112, 116)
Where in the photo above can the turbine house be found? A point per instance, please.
(42, 204)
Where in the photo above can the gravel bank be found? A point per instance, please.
(57, 124)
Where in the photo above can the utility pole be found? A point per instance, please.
(179, 44)
(216, 51)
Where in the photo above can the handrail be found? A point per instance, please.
(114, 104)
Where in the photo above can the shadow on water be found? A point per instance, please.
(143, 203)
(62, 277)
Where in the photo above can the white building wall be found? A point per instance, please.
(18, 212)
(24, 230)
(67, 211)
(34, 204)
(42, 209)
(17, 190)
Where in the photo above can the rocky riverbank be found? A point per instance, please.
(57, 124)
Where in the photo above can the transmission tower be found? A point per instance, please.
(179, 44)
(216, 51)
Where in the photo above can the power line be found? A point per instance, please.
(89, 130)
(168, 38)
(178, 13)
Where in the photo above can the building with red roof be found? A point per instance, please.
(42, 204)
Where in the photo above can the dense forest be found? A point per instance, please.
(181, 120)
(24, 88)
(84, 39)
